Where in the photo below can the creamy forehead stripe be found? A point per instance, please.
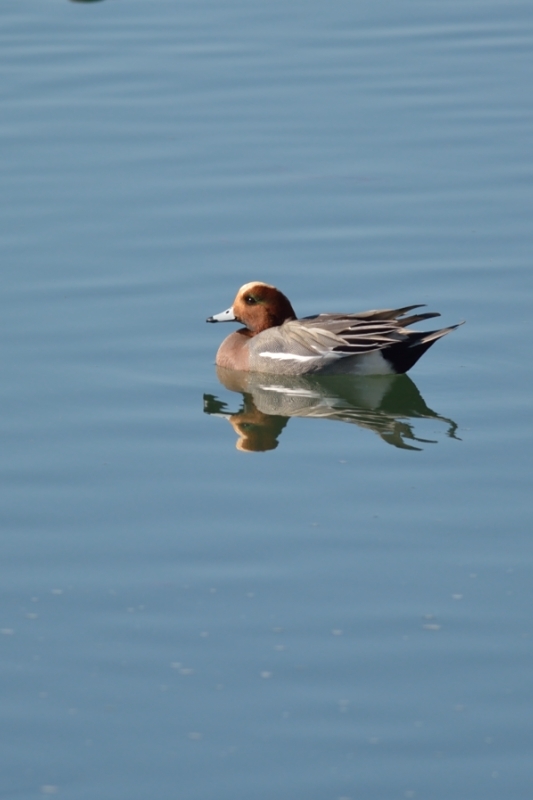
(254, 284)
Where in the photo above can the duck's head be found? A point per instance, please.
(259, 306)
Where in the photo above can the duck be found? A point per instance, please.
(275, 341)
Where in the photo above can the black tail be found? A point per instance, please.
(403, 355)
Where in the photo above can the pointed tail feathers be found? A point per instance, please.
(402, 355)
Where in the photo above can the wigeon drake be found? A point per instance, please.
(275, 341)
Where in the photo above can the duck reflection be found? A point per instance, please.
(385, 404)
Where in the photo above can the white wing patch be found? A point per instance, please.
(288, 357)
(287, 391)
(363, 364)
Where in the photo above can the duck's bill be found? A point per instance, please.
(224, 316)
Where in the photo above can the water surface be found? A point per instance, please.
(339, 607)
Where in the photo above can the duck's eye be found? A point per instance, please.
(249, 300)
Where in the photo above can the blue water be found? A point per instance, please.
(339, 607)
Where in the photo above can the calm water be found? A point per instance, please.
(340, 606)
